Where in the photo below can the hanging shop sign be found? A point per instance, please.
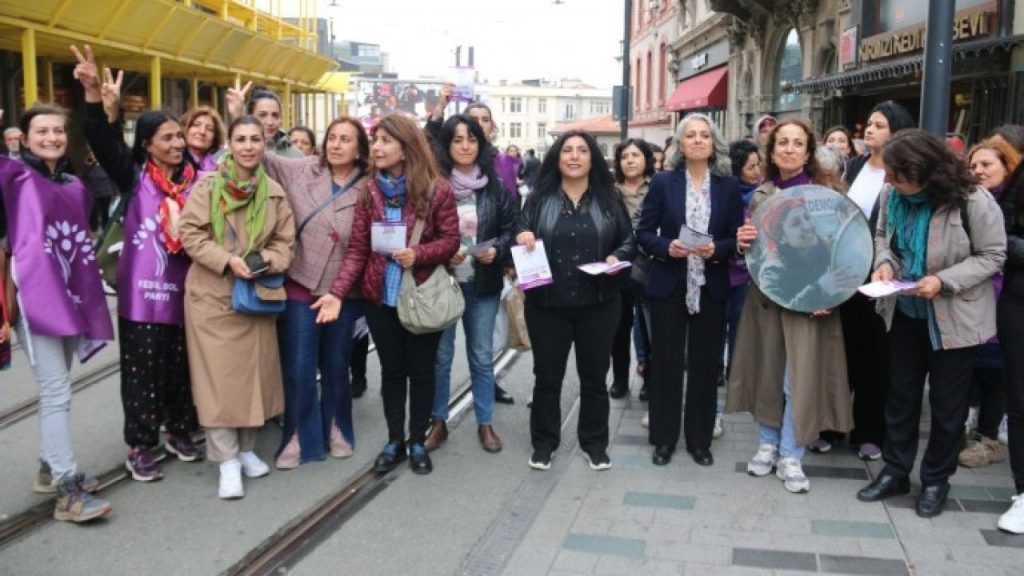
(967, 24)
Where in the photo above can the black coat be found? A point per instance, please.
(664, 212)
(496, 217)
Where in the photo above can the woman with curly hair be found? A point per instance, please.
(937, 229)
(790, 368)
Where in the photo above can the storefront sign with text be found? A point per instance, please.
(966, 25)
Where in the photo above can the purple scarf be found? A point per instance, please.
(54, 263)
(465, 184)
(799, 180)
(507, 168)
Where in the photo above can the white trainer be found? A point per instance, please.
(646, 422)
(1013, 519)
(252, 466)
(718, 429)
(791, 472)
(763, 462)
(1004, 433)
(230, 480)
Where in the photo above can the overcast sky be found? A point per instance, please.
(513, 39)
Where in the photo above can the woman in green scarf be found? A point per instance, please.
(236, 224)
(936, 228)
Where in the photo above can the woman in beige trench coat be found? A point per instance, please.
(789, 368)
(233, 357)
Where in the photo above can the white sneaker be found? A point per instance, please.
(791, 472)
(230, 480)
(1004, 434)
(718, 430)
(646, 422)
(763, 462)
(1013, 519)
(252, 466)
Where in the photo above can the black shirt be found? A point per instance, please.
(573, 242)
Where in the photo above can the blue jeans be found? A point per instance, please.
(306, 347)
(785, 438)
(478, 326)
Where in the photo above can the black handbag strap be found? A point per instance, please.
(341, 190)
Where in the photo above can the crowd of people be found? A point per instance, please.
(256, 260)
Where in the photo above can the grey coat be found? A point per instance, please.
(965, 310)
(772, 338)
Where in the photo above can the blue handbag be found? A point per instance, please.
(263, 296)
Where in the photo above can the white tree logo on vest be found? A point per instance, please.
(150, 231)
(68, 243)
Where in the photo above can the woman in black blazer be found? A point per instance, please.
(688, 285)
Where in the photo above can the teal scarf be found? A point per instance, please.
(908, 217)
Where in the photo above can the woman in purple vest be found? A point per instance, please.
(155, 386)
(60, 297)
(322, 191)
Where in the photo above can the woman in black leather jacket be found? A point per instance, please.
(576, 211)
(1010, 324)
(486, 220)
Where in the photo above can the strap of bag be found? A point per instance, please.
(417, 229)
(341, 190)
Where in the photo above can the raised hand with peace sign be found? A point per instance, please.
(236, 99)
(109, 92)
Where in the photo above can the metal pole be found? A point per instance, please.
(624, 102)
(938, 68)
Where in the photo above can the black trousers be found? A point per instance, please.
(671, 323)
(360, 350)
(553, 331)
(621, 356)
(949, 384)
(407, 369)
(987, 389)
(155, 384)
(1010, 318)
(867, 367)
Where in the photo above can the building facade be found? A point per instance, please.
(654, 26)
(525, 113)
(699, 63)
(831, 61)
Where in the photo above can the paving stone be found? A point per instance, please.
(861, 565)
(604, 545)
(575, 562)
(1003, 539)
(848, 529)
(961, 492)
(631, 440)
(1002, 492)
(687, 552)
(530, 559)
(984, 506)
(617, 565)
(774, 559)
(814, 544)
(649, 500)
(634, 461)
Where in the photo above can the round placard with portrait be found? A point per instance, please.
(813, 248)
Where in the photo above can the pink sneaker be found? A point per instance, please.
(340, 448)
(289, 457)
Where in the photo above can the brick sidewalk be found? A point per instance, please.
(685, 519)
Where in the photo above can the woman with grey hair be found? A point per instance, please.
(688, 224)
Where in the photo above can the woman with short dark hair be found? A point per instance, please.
(486, 215)
(938, 230)
(634, 166)
(576, 211)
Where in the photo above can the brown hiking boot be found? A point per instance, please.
(981, 451)
(489, 439)
(437, 434)
(74, 504)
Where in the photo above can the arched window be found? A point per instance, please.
(648, 80)
(661, 76)
(788, 68)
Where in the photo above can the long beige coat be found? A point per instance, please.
(233, 358)
(771, 337)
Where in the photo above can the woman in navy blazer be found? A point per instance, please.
(688, 285)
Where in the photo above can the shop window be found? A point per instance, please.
(789, 68)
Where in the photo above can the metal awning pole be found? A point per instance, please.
(938, 67)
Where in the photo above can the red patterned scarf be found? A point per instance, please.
(175, 192)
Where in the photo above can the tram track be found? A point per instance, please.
(28, 407)
(281, 551)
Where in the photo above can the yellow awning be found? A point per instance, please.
(190, 42)
(336, 82)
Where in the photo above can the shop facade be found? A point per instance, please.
(700, 65)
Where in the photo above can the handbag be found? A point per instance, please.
(110, 243)
(435, 304)
(262, 296)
